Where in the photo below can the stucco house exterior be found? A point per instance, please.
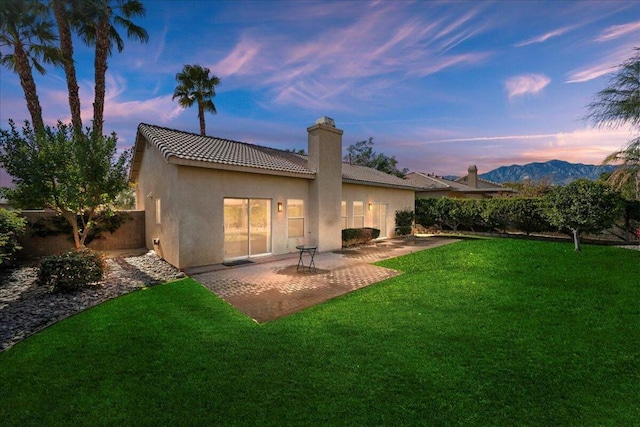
(209, 200)
(469, 186)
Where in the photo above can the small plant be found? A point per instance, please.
(404, 222)
(358, 236)
(72, 270)
(404, 230)
(11, 226)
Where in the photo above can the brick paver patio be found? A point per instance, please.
(269, 290)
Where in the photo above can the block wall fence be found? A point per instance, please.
(130, 235)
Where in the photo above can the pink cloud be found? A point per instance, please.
(617, 31)
(544, 37)
(606, 65)
(378, 41)
(240, 60)
(525, 84)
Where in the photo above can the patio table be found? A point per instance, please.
(311, 250)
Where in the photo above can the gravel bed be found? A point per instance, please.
(27, 307)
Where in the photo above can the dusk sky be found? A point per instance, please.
(440, 85)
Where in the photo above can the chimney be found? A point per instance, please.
(325, 191)
(472, 178)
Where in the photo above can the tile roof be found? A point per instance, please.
(212, 150)
(191, 146)
(487, 184)
(431, 182)
(366, 175)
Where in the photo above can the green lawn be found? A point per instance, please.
(481, 332)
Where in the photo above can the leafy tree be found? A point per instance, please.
(616, 105)
(12, 224)
(107, 221)
(425, 212)
(527, 214)
(96, 22)
(63, 11)
(196, 86)
(361, 153)
(126, 199)
(26, 29)
(295, 151)
(495, 213)
(530, 188)
(76, 176)
(631, 209)
(456, 212)
(583, 206)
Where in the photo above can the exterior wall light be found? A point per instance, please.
(279, 206)
(370, 206)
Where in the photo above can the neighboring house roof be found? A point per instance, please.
(433, 182)
(364, 175)
(428, 182)
(206, 151)
(482, 183)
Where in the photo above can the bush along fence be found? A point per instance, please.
(49, 234)
(620, 221)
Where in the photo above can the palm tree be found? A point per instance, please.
(196, 86)
(616, 105)
(97, 23)
(62, 11)
(628, 159)
(25, 28)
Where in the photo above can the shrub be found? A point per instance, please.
(527, 214)
(457, 212)
(371, 233)
(495, 213)
(404, 222)
(425, 212)
(404, 230)
(11, 226)
(404, 217)
(72, 270)
(356, 236)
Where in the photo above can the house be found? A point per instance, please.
(469, 186)
(209, 200)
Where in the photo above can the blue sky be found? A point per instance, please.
(440, 85)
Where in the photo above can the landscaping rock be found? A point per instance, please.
(27, 307)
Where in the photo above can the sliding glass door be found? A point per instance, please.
(247, 228)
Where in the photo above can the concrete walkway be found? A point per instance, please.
(273, 288)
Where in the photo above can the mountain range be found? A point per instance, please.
(558, 171)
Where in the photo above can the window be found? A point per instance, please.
(358, 214)
(343, 214)
(295, 218)
(158, 212)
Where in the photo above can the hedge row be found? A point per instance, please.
(502, 214)
(358, 236)
(525, 214)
